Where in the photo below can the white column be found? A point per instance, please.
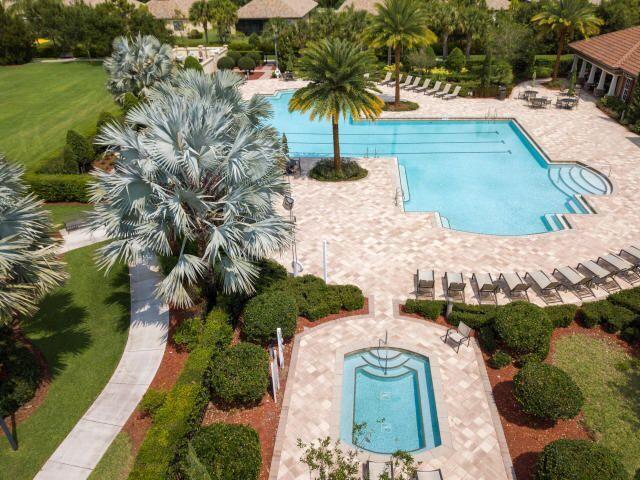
(603, 78)
(583, 68)
(612, 87)
(575, 63)
(592, 74)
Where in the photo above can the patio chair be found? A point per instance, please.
(424, 87)
(458, 335)
(425, 284)
(407, 81)
(435, 88)
(548, 287)
(429, 475)
(632, 254)
(598, 276)
(620, 267)
(487, 288)
(573, 280)
(414, 85)
(516, 287)
(453, 95)
(455, 285)
(444, 91)
(374, 470)
(387, 79)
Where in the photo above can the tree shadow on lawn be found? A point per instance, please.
(121, 297)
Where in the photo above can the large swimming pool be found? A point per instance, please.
(482, 176)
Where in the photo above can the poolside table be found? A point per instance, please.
(567, 102)
(539, 102)
(529, 94)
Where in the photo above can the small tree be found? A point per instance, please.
(404, 466)
(78, 151)
(455, 60)
(327, 460)
(201, 12)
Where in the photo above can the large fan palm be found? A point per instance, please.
(566, 18)
(398, 24)
(197, 176)
(29, 266)
(136, 64)
(338, 86)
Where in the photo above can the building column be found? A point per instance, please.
(592, 74)
(603, 78)
(574, 67)
(612, 87)
(583, 69)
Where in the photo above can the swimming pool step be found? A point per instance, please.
(390, 372)
(577, 180)
(381, 362)
(556, 222)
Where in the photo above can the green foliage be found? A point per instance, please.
(78, 151)
(613, 316)
(561, 315)
(327, 459)
(152, 401)
(547, 392)
(106, 118)
(431, 309)
(524, 329)
(627, 298)
(235, 55)
(246, 63)
(631, 335)
(612, 103)
(187, 334)
(192, 63)
(239, 45)
(500, 359)
(16, 39)
(19, 373)
(59, 188)
(266, 312)
(129, 101)
(455, 60)
(422, 59)
(228, 452)
(487, 338)
(324, 171)
(578, 460)
(351, 297)
(633, 112)
(543, 71)
(241, 376)
(226, 63)
(474, 316)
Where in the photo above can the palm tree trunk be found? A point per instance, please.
(205, 25)
(445, 45)
(468, 49)
(337, 162)
(389, 50)
(561, 37)
(397, 100)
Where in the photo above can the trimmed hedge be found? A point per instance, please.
(226, 63)
(629, 299)
(546, 391)
(578, 460)
(500, 359)
(612, 317)
(241, 376)
(524, 329)
(246, 63)
(431, 309)
(561, 315)
(228, 452)
(474, 316)
(192, 63)
(351, 297)
(182, 410)
(59, 188)
(266, 312)
(315, 299)
(487, 338)
(151, 402)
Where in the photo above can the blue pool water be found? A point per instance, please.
(481, 176)
(388, 402)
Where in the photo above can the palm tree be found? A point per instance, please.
(566, 17)
(474, 18)
(338, 86)
(445, 16)
(196, 177)
(136, 64)
(398, 24)
(29, 264)
(225, 15)
(202, 12)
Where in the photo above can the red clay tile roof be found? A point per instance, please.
(263, 9)
(616, 50)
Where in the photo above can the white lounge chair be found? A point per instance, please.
(632, 254)
(444, 91)
(407, 81)
(425, 86)
(620, 266)
(548, 287)
(387, 79)
(414, 85)
(425, 284)
(453, 95)
(455, 285)
(573, 280)
(487, 288)
(375, 470)
(429, 475)
(598, 276)
(435, 88)
(516, 287)
(458, 335)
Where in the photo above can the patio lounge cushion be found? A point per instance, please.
(595, 269)
(432, 475)
(543, 280)
(514, 281)
(485, 282)
(454, 280)
(425, 278)
(633, 251)
(572, 275)
(619, 263)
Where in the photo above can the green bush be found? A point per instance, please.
(431, 309)
(455, 60)
(256, 56)
(270, 273)
(266, 312)
(59, 188)
(547, 392)
(487, 338)
(235, 55)
(78, 151)
(612, 103)
(129, 101)
(187, 334)
(246, 63)
(241, 376)
(324, 171)
(627, 298)
(19, 373)
(561, 315)
(350, 296)
(106, 118)
(228, 452)
(524, 329)
(192, 63)
(578, 460)
(543, 71)
(500, 359)
(474, 316)
(631, 335)
(226, 63)
(151, 402)
(239, 45)
(613, 317)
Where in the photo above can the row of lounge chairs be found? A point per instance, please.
(413, 84)
(580, 280)
(376, 470)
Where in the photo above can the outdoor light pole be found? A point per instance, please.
(287, 203)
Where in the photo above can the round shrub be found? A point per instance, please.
(547, 392)
(235, 55)
(455, 60)
(226, 63)
(188, 333)
(19, 373)
(500, 359)
(266, 312)
(246, 63)
(228, 452)
(524, 328)
(543, 72)
(324, 171)
(431, 309)
(487, 338)
(270, 273)
(578, 460)
(256, 56)
(561, 315)
(351, 297)
(192, 63)
(240, 376)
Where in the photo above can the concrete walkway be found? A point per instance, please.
(81, 238)
(85, 445)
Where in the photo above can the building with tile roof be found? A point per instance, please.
(253, 15)
(175, 14)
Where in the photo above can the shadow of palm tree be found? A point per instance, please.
(121, 296)
(630, 390)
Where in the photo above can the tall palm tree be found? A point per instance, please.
(225, 15)
(474, 18)
(338, 86)
(202, 12)
(196, 177)
(29, 263)
(445, 17)
(136, 64)
(398, 24)
(566, 18)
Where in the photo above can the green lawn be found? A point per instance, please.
(610, 381)
(81, 329)
(117, 461)
(41, 101)
(66, 212)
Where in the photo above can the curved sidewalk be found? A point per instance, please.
(84, 446)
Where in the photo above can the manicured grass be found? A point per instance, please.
(117, 461)
(41, 101)
(66, 212)
(610, 382)
(81, 329)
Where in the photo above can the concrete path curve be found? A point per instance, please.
(84, 446)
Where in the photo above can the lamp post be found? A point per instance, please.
(288, 203)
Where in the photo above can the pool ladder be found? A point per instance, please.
(386, 357)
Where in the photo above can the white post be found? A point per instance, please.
(324, 260)
(280, 346)
(592, 74)
(612, 87)
(583, 69)
(575, 63)
(275, 380)
(603, 78)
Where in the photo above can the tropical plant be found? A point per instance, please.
(338, 86)
(16, 39)
(196, 171)
(327, 460)
(201, 12)
(225, 16)
(445, 16)
(29, 263)
(136, 64)
(400, 24)
(474, 19)
(566, 18)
